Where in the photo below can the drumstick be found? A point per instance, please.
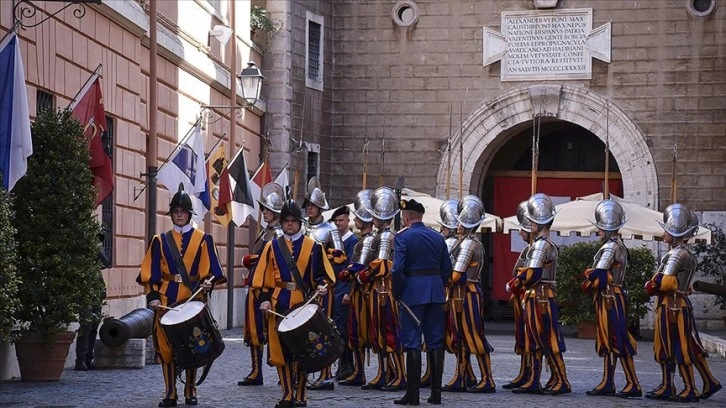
(276, 314)
(209, 280)
(170, 308)
(309, 300)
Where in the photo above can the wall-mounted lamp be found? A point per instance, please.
(251, 79)
(221, 33)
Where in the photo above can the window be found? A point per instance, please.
(107, 204)
(313, 165)
(314, 52)
(43, 101)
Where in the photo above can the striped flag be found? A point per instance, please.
(16, 144)
(217, 171)
(241, 198)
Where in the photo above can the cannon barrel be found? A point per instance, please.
(712, 288)
(137, 324)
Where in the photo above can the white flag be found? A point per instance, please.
(187, 166)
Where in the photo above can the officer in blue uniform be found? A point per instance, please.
(421, 265)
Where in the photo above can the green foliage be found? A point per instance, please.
(57, 228)
(712, 258)
(576, 306)
(260, 21)
(8, 270)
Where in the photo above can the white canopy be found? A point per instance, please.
(431, 216)
(575, 216)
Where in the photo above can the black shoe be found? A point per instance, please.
(285, 404)
(434, 399)
(326, 385)
(355, 383)
(512, 385)
(711, 391)
(301, 403)
(629, 394)
(558, 391)
(249, 381)
(168, 402)
(481, 390)
(447, 388)
(406, 401)
(371, 386)
(90, 365)
(399, 387)
(191, 401)
(527, 390)
(81, 367)
(597, 392)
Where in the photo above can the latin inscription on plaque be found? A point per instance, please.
(545, 45)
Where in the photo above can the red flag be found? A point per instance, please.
(88, 109)
(262, 176)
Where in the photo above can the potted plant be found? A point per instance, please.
(576, 307)
(712, 259)
(58, 247)
(8, 270)
(260, 22)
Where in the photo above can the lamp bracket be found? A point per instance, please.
(25, 10)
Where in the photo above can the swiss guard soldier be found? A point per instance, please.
(254, 331)
(420, 268)
(341, 290)
(674, 324)
(534, 283)
(462, 378)
(175, 265)
(605, 281)
(358, 318)
(327, 234)
(525, 229)
(710, 384)
(289, 267)
(465, 289)
(383, 312)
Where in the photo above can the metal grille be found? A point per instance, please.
(313, 51)
(43, 101)
(107, 204)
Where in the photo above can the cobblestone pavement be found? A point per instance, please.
(143, 387)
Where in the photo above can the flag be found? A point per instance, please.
(284, 182)
(187, 166)
(261, 177)
(216, 166)
(16, 144)
(241, 198)
(88, 109)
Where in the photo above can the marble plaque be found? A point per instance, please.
(546, 45)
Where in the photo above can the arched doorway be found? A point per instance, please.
(574, 125)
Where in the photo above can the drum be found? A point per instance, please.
(310, 338)
(193, 335)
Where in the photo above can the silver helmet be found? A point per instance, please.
(609, 215)
(384, 203)
(524, 222)
(273, 197)
(362, 205)
(693, 225)
(470, 211)
(540, 209)
(448, 213)
(676, 220)
(315, 194)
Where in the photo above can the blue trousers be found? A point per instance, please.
(431, 316)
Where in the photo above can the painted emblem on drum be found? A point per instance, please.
(317, 344)
(200, 342)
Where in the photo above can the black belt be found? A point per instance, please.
(425, 272)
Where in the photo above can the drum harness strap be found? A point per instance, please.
(185, 278)
(285, 251)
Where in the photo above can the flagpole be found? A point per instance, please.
(86, 86)
(183, 140)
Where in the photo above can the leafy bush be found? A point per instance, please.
(57, 228)
(576, 306)
(8, 270)
(712, 258)
(260, 21)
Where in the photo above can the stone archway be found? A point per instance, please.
(575, 104)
